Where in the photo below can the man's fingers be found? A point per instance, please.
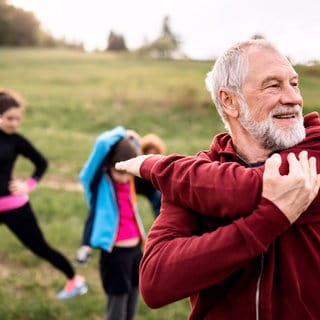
(122, 165)
(304, 162)
(318, 182)
(314, 176)
(133, 165)
(295, 164)
(313, 164)
(272, 165)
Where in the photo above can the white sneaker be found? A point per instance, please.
(83, 254)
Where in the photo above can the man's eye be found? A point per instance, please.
(273, 85)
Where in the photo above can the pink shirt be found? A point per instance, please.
(128, 228)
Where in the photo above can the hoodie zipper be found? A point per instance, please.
(258, 287)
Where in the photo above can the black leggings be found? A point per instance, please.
(23, 223)
(122, 306)
(119, 271)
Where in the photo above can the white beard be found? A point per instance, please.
(269, 135)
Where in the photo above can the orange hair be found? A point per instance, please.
(152, 141)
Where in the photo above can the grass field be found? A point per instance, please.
(71, 97)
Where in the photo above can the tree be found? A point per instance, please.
(21, 28)
(17, 27)
(168, 34)
(4, 23)
(165, 45)
(257, 36)
(116, 42)
(25, 29)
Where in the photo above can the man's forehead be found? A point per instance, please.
(267, 63)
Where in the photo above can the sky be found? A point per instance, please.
(205, 27)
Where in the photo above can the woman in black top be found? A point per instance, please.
(15, 209)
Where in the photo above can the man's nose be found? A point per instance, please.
(291, 96)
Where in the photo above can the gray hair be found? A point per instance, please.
(230, 71)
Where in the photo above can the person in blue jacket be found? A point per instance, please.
(147, 144)
(113, 224)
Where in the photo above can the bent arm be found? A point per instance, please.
(39, 161)
(210, 188)
(182, 242)
(174, 251)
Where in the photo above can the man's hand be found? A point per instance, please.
(133, 165)
(291, 193)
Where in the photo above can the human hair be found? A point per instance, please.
(230, 71)
(8, 100)
(152, 141)
(123, 150)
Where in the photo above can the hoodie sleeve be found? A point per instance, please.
(209, 187)
(179, 262)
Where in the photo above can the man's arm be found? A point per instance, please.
(210, 188)
(178, 261)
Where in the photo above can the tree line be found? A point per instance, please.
(21, 28)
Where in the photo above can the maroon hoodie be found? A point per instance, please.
(240, 257)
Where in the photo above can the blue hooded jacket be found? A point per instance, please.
(103, 219)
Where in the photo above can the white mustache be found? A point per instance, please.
(280, 109)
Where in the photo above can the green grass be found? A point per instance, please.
(71, 97)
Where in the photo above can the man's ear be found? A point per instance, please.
(229, 102)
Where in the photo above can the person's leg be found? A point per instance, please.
(133, 299)
(116, 274)
(132, 303)
(116, 307)
(22, 222)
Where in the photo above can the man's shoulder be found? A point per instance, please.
(312, 119)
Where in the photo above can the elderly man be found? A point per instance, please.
(234, 249)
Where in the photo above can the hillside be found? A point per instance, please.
(71, 97)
